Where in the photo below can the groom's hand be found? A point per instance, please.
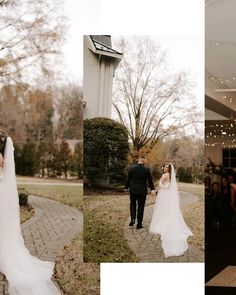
(126, 190)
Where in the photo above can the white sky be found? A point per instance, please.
(184, 53)
(177, 25)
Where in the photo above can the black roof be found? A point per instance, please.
(103, 42)
(103, 39)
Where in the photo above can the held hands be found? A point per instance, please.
(153, 192)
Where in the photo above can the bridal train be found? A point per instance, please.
(167, 219)
(26, 274)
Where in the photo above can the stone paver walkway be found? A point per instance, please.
(45, 234)
(148, 246)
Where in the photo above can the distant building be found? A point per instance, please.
(100, 63)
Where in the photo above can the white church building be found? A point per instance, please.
(100, 62)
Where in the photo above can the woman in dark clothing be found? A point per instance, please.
(217, 199)
(207, 182)
(208, 202)
(228, 202)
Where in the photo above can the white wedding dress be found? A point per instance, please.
(26, 274)
(167, 219)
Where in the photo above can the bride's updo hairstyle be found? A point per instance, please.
(3, 140)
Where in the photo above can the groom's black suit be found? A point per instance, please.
(138, 176)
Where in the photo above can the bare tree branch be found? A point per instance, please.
(29, 37)
(148, 96)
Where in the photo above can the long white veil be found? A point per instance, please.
(26, 274)
(174, 237)
(173, 183)
(168, 220)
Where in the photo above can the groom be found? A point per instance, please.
(138, 176)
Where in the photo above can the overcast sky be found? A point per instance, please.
(181, 29)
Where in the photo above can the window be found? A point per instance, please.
(229, 158)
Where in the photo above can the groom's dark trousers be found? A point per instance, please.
(138, 177)
(134, 199)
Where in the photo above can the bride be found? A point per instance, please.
(26, 274)
(167, 219)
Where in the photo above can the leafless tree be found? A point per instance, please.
(4, 3)
(31, 35)
(11, 112)
(26, 114)
(150, 98)
(68, 112)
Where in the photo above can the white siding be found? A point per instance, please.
(98, 77)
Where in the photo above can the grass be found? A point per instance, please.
(103, 229)
(26, 212)
(72, 275)
(105, 216)
(68, 195)
(79, 278)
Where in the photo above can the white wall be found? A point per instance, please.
(98, 76)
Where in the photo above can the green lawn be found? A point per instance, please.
(68, 195)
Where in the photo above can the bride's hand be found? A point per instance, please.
(153, 192)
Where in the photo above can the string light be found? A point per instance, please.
(225, 82)
(221, 134)
(219, 81)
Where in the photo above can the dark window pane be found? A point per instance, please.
(225, 163)
(233, 153)
(233, 162)
(225, 153)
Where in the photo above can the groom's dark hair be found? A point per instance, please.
(3, 139)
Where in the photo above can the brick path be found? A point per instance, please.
(148, 246)
(45, 234)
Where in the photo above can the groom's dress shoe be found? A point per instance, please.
(131, 223)
(139, 226)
